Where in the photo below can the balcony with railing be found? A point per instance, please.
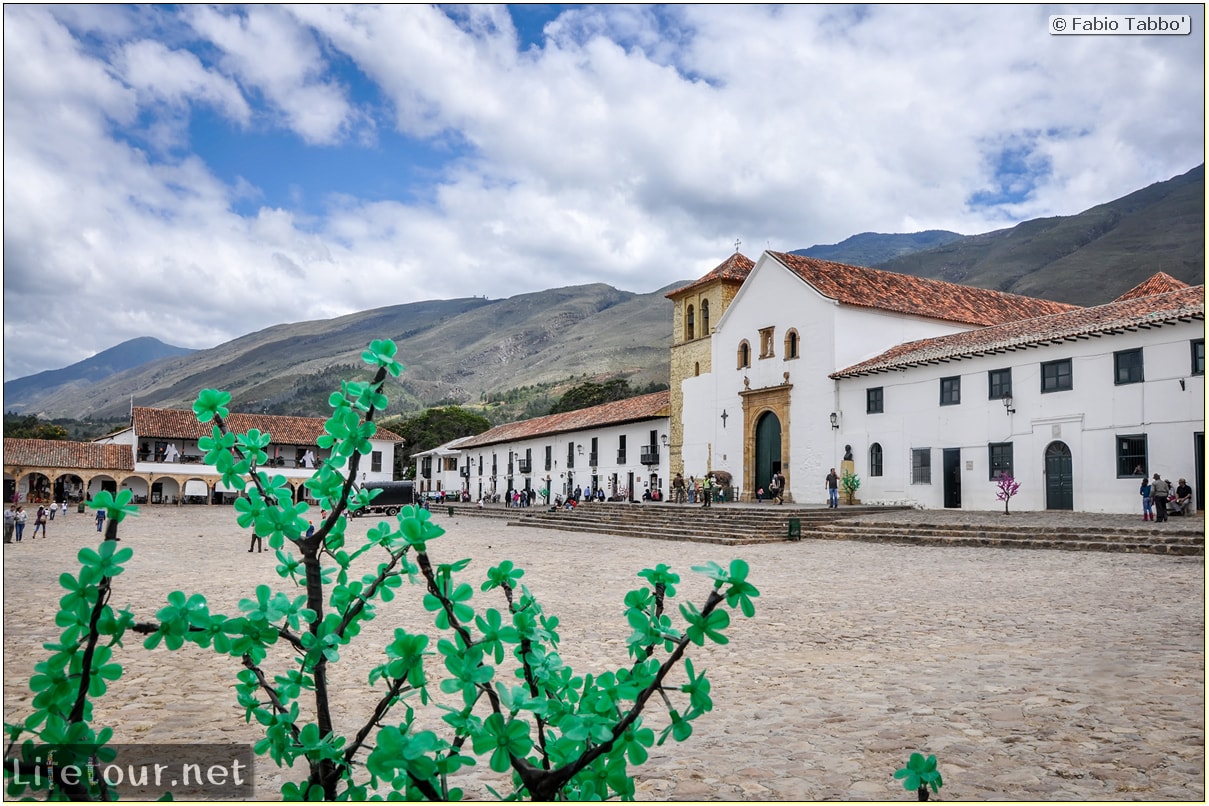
(650, 454)
(525, 466)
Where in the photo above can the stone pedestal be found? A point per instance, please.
(847, 466)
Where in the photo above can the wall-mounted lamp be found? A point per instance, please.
(1007, 404)
(663, 439)
(1182, 386)
(835, 420)
(580, 449)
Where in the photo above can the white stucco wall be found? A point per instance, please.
(563, 478)
(831, 336)
(1088, 419)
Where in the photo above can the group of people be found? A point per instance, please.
(16, 519)
(1160, 498)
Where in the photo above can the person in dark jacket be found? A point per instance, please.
(1160, 490)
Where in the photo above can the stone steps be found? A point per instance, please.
(747, 525)
(1176, 544)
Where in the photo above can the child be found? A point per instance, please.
(1147, 501)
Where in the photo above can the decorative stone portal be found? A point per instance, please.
(772, 400)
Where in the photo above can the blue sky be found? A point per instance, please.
(196, 173)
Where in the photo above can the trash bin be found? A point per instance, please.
(80, 507)
(451, 512)
(795, 528)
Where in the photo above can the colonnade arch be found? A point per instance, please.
(28, 485)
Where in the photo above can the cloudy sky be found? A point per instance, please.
(198, 173)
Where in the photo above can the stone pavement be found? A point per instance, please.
(1032, 675)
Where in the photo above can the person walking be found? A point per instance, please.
(10, 520)
(1160, 490)
(707, 491)
(833, 490)
(777, 488)
(1147, 501)
(101, 519)
(19, 522)
(64, 507)
(39, 523)
(50, 510)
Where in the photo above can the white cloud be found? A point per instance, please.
(177, 78)
(631, 147)
(263, 48)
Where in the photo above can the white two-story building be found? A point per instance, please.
(615, 447)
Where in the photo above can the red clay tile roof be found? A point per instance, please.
(643, 407)
(60, 453)
(733, 270)
(1156, 310)
(902, 293)
(1158, 283)
(177, 424)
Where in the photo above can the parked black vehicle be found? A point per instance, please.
(394, 496)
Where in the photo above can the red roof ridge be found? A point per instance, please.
(734, 269)
(904, 293)
(284, 428)
(1148, 311)
(1158, 283)
(642, 407)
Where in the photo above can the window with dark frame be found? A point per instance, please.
(950, 391)
(549, 456)
(1198, 356)
(791, 344)
(1127, 366)
(921, 465)
(999, 382)
(375, 461)
(1000, 460)
(875, 400)
(1057, 376)
(1131, 456)
(875, 459)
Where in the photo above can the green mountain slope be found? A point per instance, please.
(455, 350)
(1085, 259)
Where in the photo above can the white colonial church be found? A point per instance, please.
(928, 391)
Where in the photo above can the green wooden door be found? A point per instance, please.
(768, 450)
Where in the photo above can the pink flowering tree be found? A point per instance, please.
(1008, 487)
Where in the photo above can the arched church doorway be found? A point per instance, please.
(768, 449)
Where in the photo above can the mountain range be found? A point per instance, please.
(469, 350)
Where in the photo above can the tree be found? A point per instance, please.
(1008, 487)
(30, 427)
(431, 429)
(519, 707)
(589, 394)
